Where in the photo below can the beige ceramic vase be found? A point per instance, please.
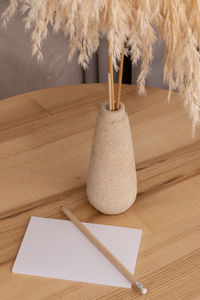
(111, 182)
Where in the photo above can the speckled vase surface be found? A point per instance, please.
(111, 182)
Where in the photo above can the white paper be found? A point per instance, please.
(57, 249)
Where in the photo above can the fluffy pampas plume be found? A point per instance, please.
(125, 21)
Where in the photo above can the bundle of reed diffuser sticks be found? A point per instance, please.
(112, 104)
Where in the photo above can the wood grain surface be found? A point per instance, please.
(45, 141)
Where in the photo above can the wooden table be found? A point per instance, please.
(45, 140)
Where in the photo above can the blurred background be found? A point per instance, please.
(20, 72)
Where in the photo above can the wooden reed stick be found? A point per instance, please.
(104, 250)
(112, 86)
(120, 79)
(109, 91)
(110, 81)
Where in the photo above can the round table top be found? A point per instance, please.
(45, 142)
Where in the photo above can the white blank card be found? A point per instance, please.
(57, 249)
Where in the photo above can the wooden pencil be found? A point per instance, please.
(104, 250)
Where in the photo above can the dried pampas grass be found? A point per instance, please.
(125, 21)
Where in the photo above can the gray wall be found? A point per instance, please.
(20, 72)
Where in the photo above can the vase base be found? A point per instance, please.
(111, 209)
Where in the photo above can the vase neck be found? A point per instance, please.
(112, 115)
